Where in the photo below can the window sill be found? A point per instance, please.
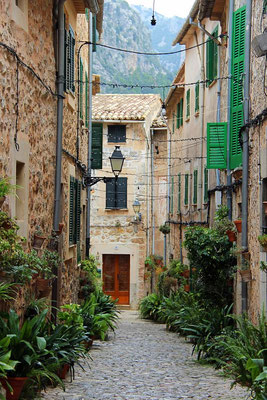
(116, 209)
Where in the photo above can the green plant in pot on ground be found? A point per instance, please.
(90, 277)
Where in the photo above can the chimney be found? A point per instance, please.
(96, 84)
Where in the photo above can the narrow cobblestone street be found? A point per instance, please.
(141, 362)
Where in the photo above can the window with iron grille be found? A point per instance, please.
(116, 133)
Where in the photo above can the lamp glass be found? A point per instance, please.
(116, 161)
(136, 206)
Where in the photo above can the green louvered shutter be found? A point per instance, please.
(110, 193)
(238, 61)
(178, 116)
(211, 58)
(97, 146)
(71, 60)
(172, 192)
(72, 211)
(66, 45)
(121, 193)
(86, 100)
(116, 193)
(173, 122)
(81, 88)
(94, 33)
(186, 179)
(197, 97)
(217, 145)
(195, 187)
(78, 211)
(87, 14)
(206, 184)
(188, 103)
(181, 111)
(179, 193)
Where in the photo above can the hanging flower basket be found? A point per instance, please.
(238, 224)
(231, 236)
(16, 383)
(245, 275)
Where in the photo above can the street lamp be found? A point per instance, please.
(136, 208)
(116, 162)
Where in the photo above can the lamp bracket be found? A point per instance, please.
(92, 180)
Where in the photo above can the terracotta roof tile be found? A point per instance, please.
(159, 122)
(123, 107)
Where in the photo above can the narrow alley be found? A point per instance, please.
(145, 362)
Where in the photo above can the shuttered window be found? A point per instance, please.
(116, 133)
(195, 182)
(181, 111)
(179, 193)
(97, 146)
(71, 60)
(94, 33)
(86, 100)
(217, 145)
(236, 109)
(179, 115)
(186, 188)
(197, 97)
(81, 89)
(172, 193)
(211, 58)
(188, 103)
(116, 193)
(206, 184)
(173, 122)
(74, 211)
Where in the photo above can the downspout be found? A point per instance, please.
(89, 149)
(218, 195)
(168, 190)
(229, 176)
(152, 191)
(60, 92)
(202, 116)
(147, 204)
(246, 132)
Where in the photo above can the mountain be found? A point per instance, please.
(126, 27)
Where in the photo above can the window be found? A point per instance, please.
(206, 184)
(97, 146)
(197, 97)
(179, 193)
(116, 133)
(186, 181)
(19, 13)
(116, 193)
(211, 58)
(217, 145)
(172, 190)
(75, 211)
(69, 70)
(81, 89)
(188, 103)
(236, 102)
(195, 186)
(179, 116)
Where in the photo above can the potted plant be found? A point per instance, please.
(150, 263)
(47, 268)
(38, 238)
(165, 229)
(6, 188)
(263, 266)
(263, 241)
(223, 225)
(238, 224)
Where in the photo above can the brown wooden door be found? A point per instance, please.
(116, 276)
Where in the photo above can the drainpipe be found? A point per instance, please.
(152, 191)
(168, 190)
(89, 149)
(147, 201)
(202, 117)
(246, 132)
(218, 177)
(60, 92)
(229, 176)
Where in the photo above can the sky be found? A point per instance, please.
(169, 8)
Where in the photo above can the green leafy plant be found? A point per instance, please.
(263, 266)
(263, 239)
(165, 229)
(7, 188)
(221, 221)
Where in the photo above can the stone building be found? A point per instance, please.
(42, 127)
(219, 134)
(121, 239)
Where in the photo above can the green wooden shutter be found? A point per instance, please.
(195, 187)
(181, 111)
(94, 33)
(71, 60)
(206, 184)
(173, 122)
(215, 55)
(87, 14)
(97, 146)
(81, 88)
(217, 145)
(110, 193)
(86, 100)
(186, 178)
(179, 193)
(121, 193)
(178, 116)
(72, 211)
(188, 103)
(238, 61)
(197, 97)
(66, 42)
(211, 58)
(172, 192)
(78, 211)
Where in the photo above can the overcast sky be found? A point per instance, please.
(169, 8)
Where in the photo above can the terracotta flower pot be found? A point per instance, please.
(16, 383)
(245, 274)
(186, 288)
(62, 372)
(238, 224)
(231, 236)
(38, 241)
(186, 273)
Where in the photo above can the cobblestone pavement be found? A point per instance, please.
(145, 362)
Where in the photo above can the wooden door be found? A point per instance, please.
(116, 276)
